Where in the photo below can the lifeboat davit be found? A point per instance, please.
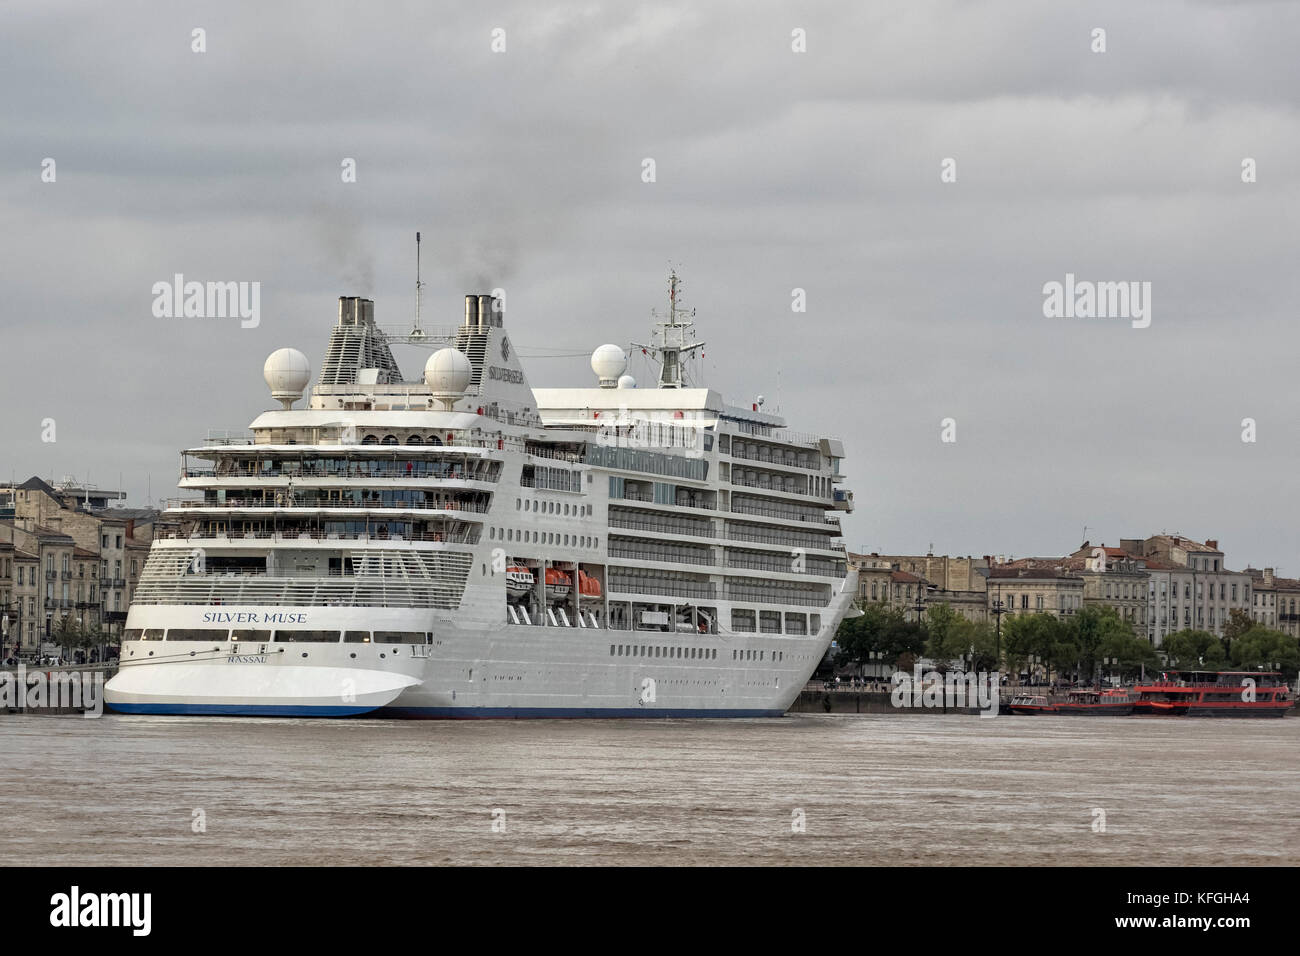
(587, 585)
(558, 584)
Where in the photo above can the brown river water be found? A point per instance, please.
(890, 790)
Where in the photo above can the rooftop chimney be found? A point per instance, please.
(1212, 543)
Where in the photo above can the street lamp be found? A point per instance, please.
(997, 610)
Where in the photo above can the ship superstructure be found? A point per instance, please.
(468, 546)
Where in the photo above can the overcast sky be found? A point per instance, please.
(775, 170)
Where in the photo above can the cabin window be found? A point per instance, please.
(317, 637)
(195, 634)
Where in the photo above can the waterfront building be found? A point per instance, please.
(1199, 590)
(106, 541)
(1034, 586)
(1113, 578)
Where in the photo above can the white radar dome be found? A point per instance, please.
(287, 373)
(448, 373)
(626, 381)
(608, 362)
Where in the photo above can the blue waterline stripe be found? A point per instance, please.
(240, 710)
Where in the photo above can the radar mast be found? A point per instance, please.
(673, 337)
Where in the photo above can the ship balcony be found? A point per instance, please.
(802, 565)
(378, 482)
(333, 590)
(699, 504)
(656, 524)
(782, 543)
(786, 462)
(240, 538)
(660, 553)
(257, 507)
(756, 507)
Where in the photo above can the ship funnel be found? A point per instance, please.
(484, 312)
(471, 310)
(354, 310)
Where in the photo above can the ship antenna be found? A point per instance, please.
(417, 332)
(673, 338)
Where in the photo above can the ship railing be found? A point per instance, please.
(662, 554)
(648, 587)
(786, 514)
(268, 536)
(232, 436)
(697, 530)
(812, 541)
(322, 504)
(779, 434)
(823, 569)
(355, 475)
(649, 499)
(745, 482)
(311, 592)
(572, 458)
(778, 462)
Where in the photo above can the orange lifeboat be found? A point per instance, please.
(558, 584)
(587, 585)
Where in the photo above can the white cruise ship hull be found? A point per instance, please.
(253, 685)
(465, 672)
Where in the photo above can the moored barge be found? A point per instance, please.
(1215, 694)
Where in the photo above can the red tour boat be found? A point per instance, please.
(1097, 703)
(1215, 694)
(1085, 702)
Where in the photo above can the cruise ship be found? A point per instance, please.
(467, 546)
